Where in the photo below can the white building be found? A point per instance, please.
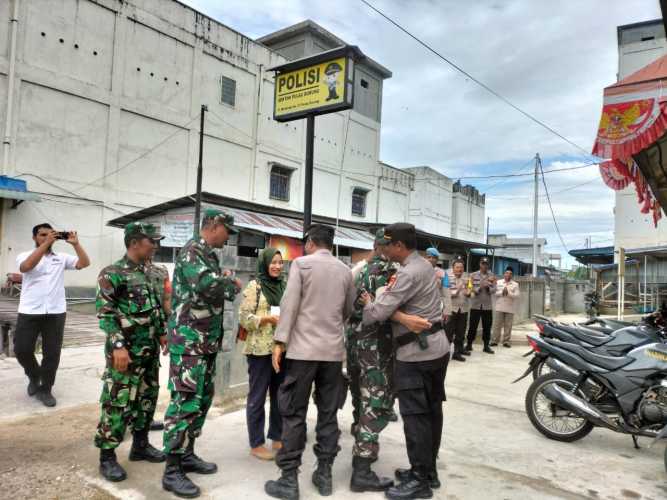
(442, 206)
(522, 249)
(638, 45)
(102, 119)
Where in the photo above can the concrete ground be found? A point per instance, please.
(490, 449)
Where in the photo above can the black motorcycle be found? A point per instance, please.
(616, 343)
(626, 394)
(592, 304)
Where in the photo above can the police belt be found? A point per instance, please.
(408, 338)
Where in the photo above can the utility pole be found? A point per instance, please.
(488, 221)
(200, 171)
(537, 173)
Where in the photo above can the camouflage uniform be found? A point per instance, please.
(195, 336)
(129, 311)
(369, 355)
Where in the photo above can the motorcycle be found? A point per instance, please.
(592, 304)
(626, 394)
(616, 343)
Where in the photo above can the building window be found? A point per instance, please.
(364, 83)
(359, 202)
(280, 181)
(227, 90)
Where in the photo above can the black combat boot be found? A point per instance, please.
(404, 475)
(287, 487)
(192, 463)
(364, 479)
(45, 396)
(33, 386)
(110, 468)
(322, 477)
(143, 450)
(488, 350)
(175, 480)
(417, 486)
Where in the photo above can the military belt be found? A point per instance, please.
(408, 338)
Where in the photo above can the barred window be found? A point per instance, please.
(280, 183)
(359, 202)
(227, 90)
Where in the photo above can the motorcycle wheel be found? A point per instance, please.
(549, 419)
(541, 369)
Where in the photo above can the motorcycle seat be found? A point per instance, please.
(595, 339)
(607, 362)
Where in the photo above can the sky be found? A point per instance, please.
(552, 59)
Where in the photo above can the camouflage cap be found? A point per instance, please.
(220, 217)
(379, 238)
(143, 229)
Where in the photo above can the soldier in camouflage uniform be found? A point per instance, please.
(369, 367)
(133, 320)
(200, 288)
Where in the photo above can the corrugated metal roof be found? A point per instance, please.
(284, 226)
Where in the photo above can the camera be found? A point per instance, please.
(63, 235)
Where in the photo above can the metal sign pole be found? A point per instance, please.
(200, 171)
(308, 189)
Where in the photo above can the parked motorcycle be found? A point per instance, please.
(592, 304)
(626, 394)
(615, 343)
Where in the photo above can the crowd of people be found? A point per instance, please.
(386, 329)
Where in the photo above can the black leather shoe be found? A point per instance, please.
(466, 352)
(493, 344)
(458, 357)
(110, 468)
(322, 478)
(33, 387)
(488, 350)
(364, 479)
(287, 487)
(192, 463)
(404, 475)
(414, 488)
(143, 450)
(507, 344)
(175, 480)
(45, 396)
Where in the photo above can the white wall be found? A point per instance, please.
(468, 219)
(431, 203)
(114, 122)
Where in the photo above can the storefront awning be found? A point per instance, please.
(10, 194)
(292, 228)
(634, 116)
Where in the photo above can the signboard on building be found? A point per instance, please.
(315, 85)
(289, 248)
(177, 230)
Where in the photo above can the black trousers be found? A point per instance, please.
(262, 378)
(28, 327)
(293, 398)
(421, 392)
(486, 315)
(456, 330)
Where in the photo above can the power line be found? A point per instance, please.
(553, 216)
(478, 82)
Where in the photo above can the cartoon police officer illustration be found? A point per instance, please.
(331, 79)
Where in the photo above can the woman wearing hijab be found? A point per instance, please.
(258, 314)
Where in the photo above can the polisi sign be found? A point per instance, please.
(315, 85)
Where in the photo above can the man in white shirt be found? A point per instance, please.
(42, 307)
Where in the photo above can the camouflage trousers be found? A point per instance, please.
(128, 399)
(191, 386)
(369, 368)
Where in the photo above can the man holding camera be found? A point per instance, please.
(42, 307)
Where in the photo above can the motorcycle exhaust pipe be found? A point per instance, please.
(569, 401)
(559, 366)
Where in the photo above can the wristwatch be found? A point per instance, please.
(119, 344)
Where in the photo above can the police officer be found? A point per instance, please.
(133, 320)
(457, 307)
(319, 298)
(369, 368)
(421, 359)
(200, 289)
(484, 287)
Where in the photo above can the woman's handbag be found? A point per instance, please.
(242, 333)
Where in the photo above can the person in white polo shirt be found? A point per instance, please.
(42, 307)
